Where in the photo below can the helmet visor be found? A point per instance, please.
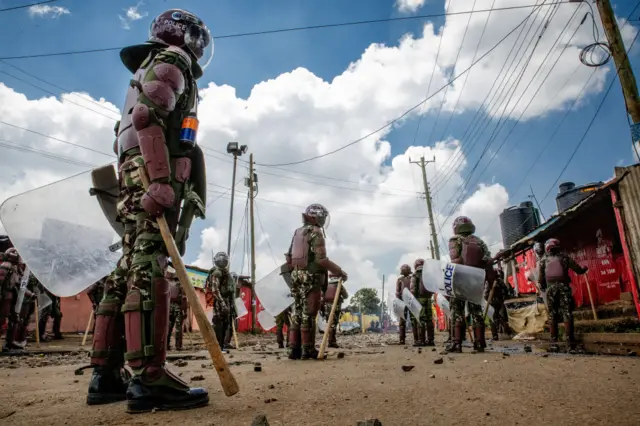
(197, 39)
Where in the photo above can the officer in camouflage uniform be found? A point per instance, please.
(177, 309)
(467, 249)
(424, 324)
(329, 293)
(404, 281)
(16, 337)
(500, 318)
(53, 310)
(222, 289)
(308, 261)
(157, 132)
(554, 278)
(281, 320)
(9, 283)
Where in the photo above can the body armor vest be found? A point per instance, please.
(472, 252)
(554, 269)
(186, 106)
(404, 282)
(301, 255)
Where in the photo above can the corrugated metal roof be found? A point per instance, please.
(561, 218)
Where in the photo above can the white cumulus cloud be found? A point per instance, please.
(44, 10)
(132, 13)
(409, 5)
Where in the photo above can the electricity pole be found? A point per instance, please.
(252, 183)
(625, 73)
(427, 193)
(382, 304)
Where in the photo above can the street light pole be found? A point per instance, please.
(233, 193)
(237, 151)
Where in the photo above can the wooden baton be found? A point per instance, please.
(227, 380)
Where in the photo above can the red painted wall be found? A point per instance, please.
(591, 239)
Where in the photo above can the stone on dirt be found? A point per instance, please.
(372, 422)
(260, 420)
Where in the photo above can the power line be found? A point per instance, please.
(57, 139)
(8, 144)
(42, 80)
(265, 235)
(533, 97)
(433, 71)
(390, 123)
(328, 177)
(24, 6)
(500, 121)
(491, 103)
(292, 29)
(455, 62)
(54, 94)
(333, 212)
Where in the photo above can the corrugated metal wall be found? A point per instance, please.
(629, 190)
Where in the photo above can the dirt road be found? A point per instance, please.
(474, 389)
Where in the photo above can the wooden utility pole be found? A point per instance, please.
(252, 187)
(625, 73)
(382, 303)
(435, 250)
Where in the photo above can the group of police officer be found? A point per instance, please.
(465, 248)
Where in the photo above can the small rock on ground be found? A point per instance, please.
(260, 420)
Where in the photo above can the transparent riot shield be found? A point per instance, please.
(274, 293)
(411, 302)
(453, 280)
(322, 323)
(24, 281)
(241, 309)
(396, 306)
(62, 234)
(43, 301)
(266, 320)
(444, 304)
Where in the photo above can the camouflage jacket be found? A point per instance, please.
(567, 263)
(455, 248)
(220, 286)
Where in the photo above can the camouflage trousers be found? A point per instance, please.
(560, 301)
(426, 313)
(176, 319)
(336, 317)
(53, 311)
(136, 292)
(305, 289)
(221, 319)
(457, 312)
(281, 320)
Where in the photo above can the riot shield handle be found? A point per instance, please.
(227, 380)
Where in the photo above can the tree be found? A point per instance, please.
(367, 300)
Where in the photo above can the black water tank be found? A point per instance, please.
(518, 221)
(569, 195)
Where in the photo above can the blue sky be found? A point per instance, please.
(246, 61)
